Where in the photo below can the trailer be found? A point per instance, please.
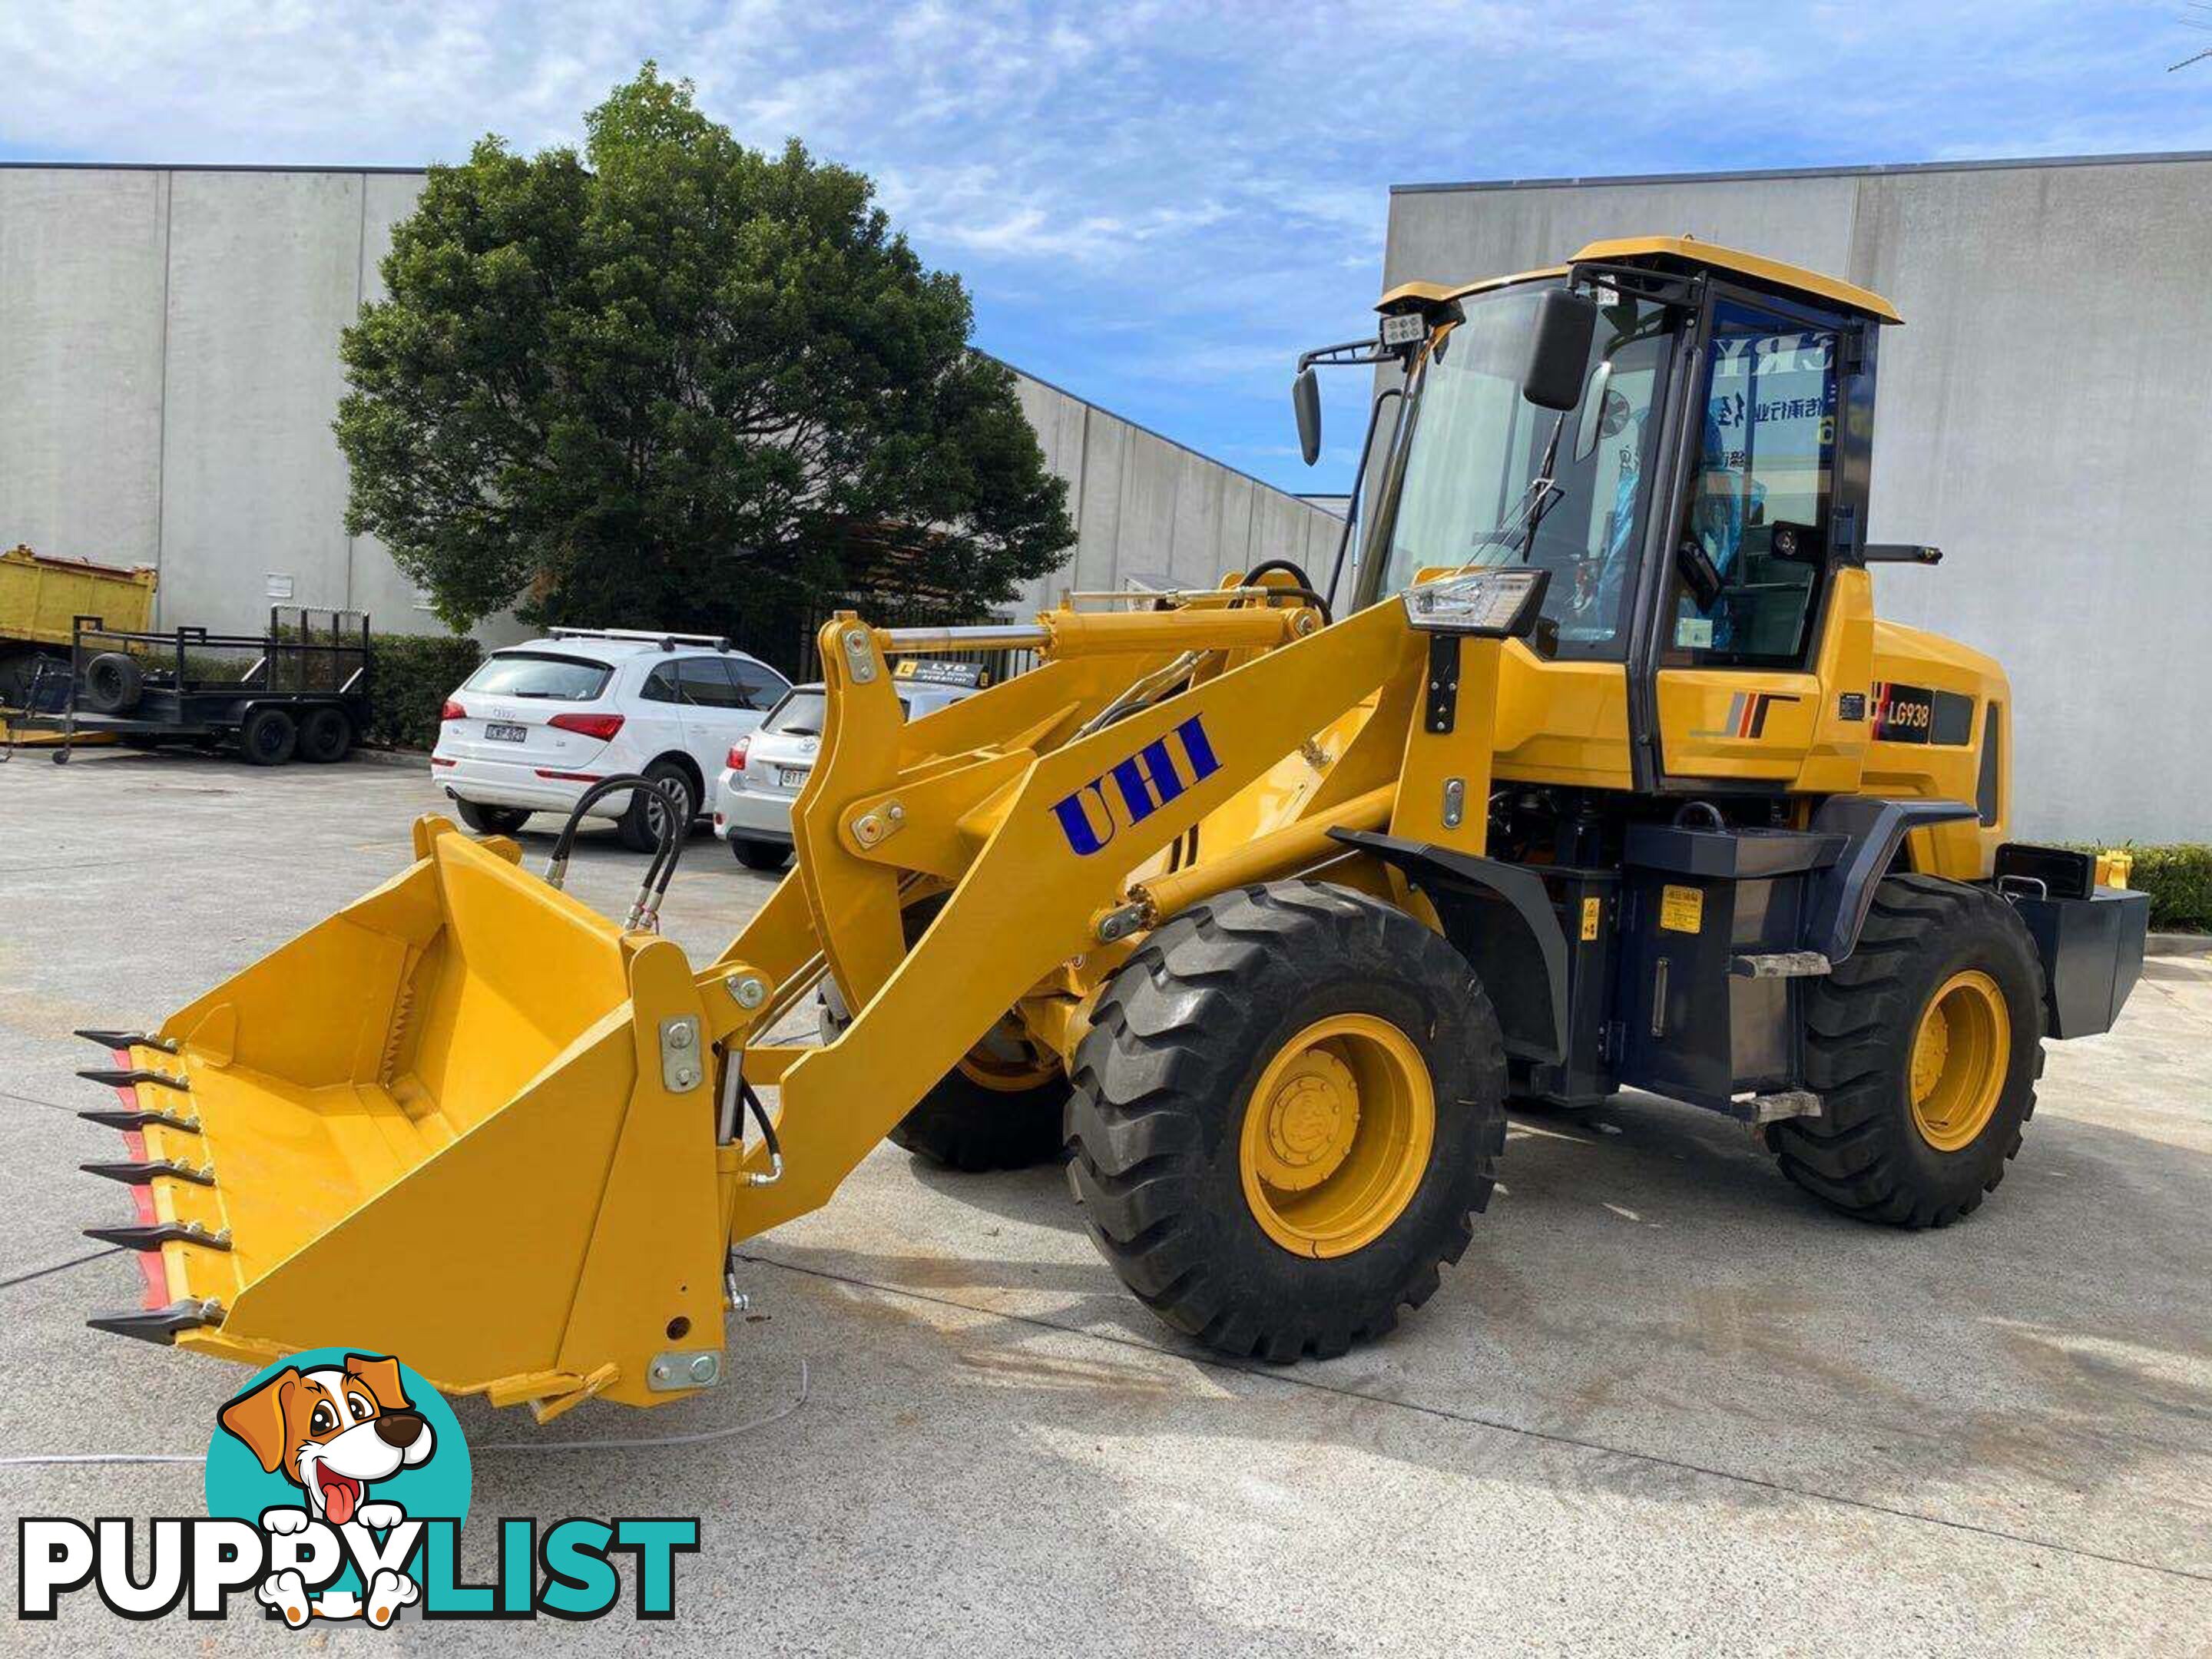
(39, 593)
(298, 691)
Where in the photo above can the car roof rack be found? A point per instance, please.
(665, 641)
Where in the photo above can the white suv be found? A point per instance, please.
(537, 724)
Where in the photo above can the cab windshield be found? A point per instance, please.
(1475, 460)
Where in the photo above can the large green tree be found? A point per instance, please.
(677, 383)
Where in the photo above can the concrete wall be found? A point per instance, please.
(1145, 506)
(2044, 416)
(169, 371)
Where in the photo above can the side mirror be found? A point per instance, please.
(1305, 400)
(1590, 428)
(1558, 347)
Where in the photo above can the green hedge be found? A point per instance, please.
(413, 675)
(2178, 879)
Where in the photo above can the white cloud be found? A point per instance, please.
(1156, 204)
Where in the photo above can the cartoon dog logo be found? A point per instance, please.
(331, 1431)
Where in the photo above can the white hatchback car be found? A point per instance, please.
(764, 772)
(538, 724)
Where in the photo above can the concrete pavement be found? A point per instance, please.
(1666, 1403)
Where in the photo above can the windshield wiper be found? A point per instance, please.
(1538, 497)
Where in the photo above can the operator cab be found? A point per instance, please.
(1690, 476)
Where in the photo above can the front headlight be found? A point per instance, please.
(1496, 602)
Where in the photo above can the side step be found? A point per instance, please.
(1781, 964)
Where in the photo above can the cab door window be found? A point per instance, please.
(1748, 569)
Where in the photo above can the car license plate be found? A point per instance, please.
(792, 777)
(505, 731)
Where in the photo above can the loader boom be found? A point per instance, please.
(1050, 833)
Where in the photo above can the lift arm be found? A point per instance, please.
(1046, 826)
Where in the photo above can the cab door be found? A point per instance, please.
(1740, 639)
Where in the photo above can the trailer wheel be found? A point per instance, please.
(1288, 1109)
(999, 1108)
(326, 735)
(112, 682)
(267, 736)
(1924, 1046)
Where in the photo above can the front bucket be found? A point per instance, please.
(440, 1124)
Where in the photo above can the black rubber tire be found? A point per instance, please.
(635, 827)
(267, 736)
(761, 854)
(112, 681)
(491, 820)
(326, 735)
(1864, 1155)
(16, 668)
(960, 1124)
(1178, 1041)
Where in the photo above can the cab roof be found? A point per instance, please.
(1678, 250)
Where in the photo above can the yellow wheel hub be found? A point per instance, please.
(1006, 1062)
(1959, 1057)
(1337, 1135)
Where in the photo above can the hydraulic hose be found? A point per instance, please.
(1303, 590)
(645, 910)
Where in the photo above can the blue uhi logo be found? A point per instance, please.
(1160, 772)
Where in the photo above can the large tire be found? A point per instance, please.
(639, 826)
(1895, 1142)
(760, 854)
(491, 820)
(1173, 1143)
(112, 683)
(983, 1114)
(267, 736)
(326, 735)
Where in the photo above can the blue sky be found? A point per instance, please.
(1156, 205)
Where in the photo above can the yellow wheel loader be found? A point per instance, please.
(1258, 903)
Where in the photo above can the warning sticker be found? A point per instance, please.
(1591, 909)
(1681, 909)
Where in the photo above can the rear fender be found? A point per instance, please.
(1844, 892)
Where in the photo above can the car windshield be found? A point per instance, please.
(1476, 456)
(540, 674)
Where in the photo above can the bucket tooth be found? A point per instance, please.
(125, 1040)
(149, 1171)
(118, 1077)
(162, 1325)
(116, 1118)
(153, 1236)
